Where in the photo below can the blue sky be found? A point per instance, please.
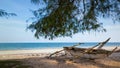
(13, 29)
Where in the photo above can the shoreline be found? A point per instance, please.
(29, 53)
(42, 50)
(24, 51)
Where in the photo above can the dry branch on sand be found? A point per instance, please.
(92, 53)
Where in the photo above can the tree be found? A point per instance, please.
(60, 18)
(3, 13)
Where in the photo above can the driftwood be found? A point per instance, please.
(56, 52)
(99, 44)
(96, 53)
(63, 49)
(92, 52)
(103, 43)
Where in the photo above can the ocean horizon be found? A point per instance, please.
(27, 46)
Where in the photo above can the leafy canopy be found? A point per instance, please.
(3, 13)
(60, 18)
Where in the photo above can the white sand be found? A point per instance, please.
(110, 47)
(21, 54)
(46, 50)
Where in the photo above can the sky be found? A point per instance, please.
(14, 29)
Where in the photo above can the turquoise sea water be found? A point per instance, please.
(19, 46)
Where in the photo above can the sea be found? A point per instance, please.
(27, 46)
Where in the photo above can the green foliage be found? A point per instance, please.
(3, 13)
(60, 18)
(35, 1)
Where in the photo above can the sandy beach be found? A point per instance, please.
(37, 59)
(20, 54)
